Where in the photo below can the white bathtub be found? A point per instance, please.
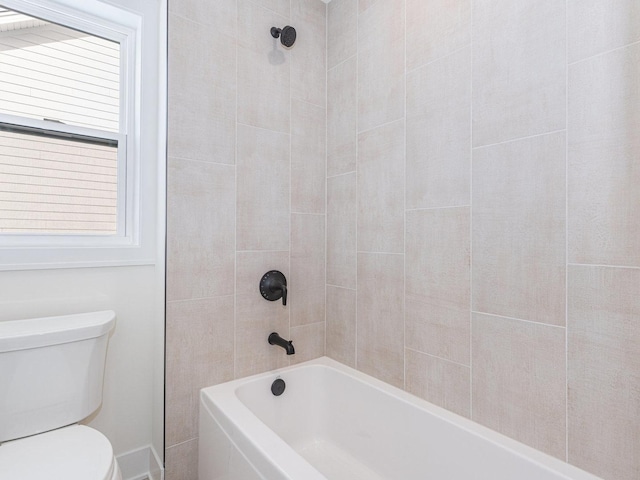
(333, 422)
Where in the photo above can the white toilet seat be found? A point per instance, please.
(70, 453)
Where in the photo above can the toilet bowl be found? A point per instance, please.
(51, 372)
(70, 453)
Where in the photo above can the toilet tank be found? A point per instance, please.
(51, 371)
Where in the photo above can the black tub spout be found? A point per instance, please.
(275, 339)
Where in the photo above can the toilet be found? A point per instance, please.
(51, 376)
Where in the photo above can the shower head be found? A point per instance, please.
(287, 35)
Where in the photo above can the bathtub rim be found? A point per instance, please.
(233, 416)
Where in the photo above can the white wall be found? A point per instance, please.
(132, 412)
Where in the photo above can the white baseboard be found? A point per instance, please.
(141, 463)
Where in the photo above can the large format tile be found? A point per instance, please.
(256, 317)
(519, 69)
(519, 381)
(201, 240)
(597, 26)
(307, 283)
(380, 323)
(519, 229)
(436, 28)
(341, 325)
(222, 16)
(263, 174)
(381, 189)
(263, 90)
(604, 159)
(604, 370)
(342, 118)
(381, 64)
(199, 354)
(308, 64)
(202, 90)
(437, 282)
(438, 381)
(308, 341)
(182, 461)
(439, 133)
(308, 158)
(341, 230)
(342, 16)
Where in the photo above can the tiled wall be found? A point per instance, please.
(483, 213)
(246, 194)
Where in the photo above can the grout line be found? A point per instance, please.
(512, 140)
(339, 286)
(436, 208)
(404, 229)
(235, 204)
(341, 62)
(566, 238)
(379, 253)
(205, 162)
(602, 54)
(261, 251)
(434, 60)
(195, 299)
(341, 174)
(471, 217)
(269, 129)
(357, 109)
(326, 158)
(518, 319)
(289, 59)
(399, 119)
(437, 356)
(601, 265)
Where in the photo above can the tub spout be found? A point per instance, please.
(275, 339)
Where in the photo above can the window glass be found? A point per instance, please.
(54, 180)
(57, 73)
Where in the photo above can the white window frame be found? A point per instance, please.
(134, 242)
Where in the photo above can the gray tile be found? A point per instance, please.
(341, 230)
(598, 26)
(442, 383)
(439, 133)
(341, 325)
(263, 174)
(436, 28)
(604, 370)
(342, 43)
(308, 158)
(437, 283)
(380, 187)
(201, 240)
(519, 69)
(307, 283)
(381, 64)
(519, 229)
(342, 118)
(199, 354)
(380, 329)
(604, 159)
(519, 381)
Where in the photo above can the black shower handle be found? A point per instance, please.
(273, 286)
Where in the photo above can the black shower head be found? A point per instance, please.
(287, 35)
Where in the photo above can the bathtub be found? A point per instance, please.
(333, 422)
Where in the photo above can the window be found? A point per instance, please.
(70, 141)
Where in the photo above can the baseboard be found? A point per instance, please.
(140, 464)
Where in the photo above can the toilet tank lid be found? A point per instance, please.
(41, 332)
